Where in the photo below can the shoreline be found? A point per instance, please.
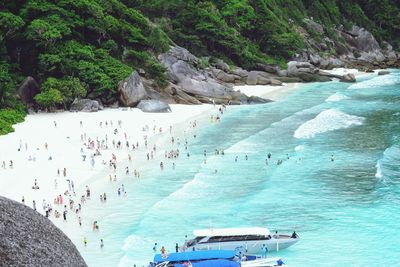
(65, 144)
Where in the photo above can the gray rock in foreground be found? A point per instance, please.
(86, 105)
(153, 106)
(30, 239)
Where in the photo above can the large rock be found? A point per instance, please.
(86, 105)
(225, 77)
(220, 64)
(131, 90)
(383, 72)
(240, 72)
(350, 78)
(313, 26)
(362, 39)
(30, 239)
(182, 71)
(258, 78)
(155, 106)
(305, 71)
(270, 68)
(28, 89)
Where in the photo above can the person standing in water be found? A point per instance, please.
(163, 250)
(101, 243)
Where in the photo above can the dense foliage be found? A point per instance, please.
(83, 48)
(74, 48)
(9, 117)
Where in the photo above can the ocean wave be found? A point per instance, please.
(327, 120)
(336, 97)
(380, 81)
(299, 148)
(387, 167)
(378, 173)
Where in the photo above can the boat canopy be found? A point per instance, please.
(212, 263)
(195, 255)
(231, 231)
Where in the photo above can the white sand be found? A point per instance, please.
(64, 146)
(343, 71)
(268, 91)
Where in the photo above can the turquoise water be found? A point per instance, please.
(346, 211)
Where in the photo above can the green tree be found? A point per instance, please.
(9, 24)
(69, 87)
(49, 98)
(42, 32)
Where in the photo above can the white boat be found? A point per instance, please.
(247, 240)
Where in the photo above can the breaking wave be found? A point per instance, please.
(380, 81)
(336, 97)
(327, 120)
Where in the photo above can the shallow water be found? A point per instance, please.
(346, 211)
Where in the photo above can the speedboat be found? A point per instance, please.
(247, 240)
(212, 258)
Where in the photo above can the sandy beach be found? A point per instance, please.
(36, 154)
(34, 157)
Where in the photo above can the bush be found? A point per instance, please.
(49, 98)
(8, 117)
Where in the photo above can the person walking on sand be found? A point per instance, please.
(65, 215)
(34, 205)
(85, 241)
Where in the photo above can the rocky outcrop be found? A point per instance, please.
(131, 90)
(86, 105)
(225, 77)
(354, 48)
(183, 71)
(349, 78)
(27, 90)
(270, 68)
(306, 72)
(30, 239)
(155, 106)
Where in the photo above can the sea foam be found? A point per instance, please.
(387, 167)
(336, 97)
(380, 81)
(327, 120)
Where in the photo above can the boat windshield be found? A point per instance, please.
(194, 241)
(216, 239)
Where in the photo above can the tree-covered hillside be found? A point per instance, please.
(84, 48)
